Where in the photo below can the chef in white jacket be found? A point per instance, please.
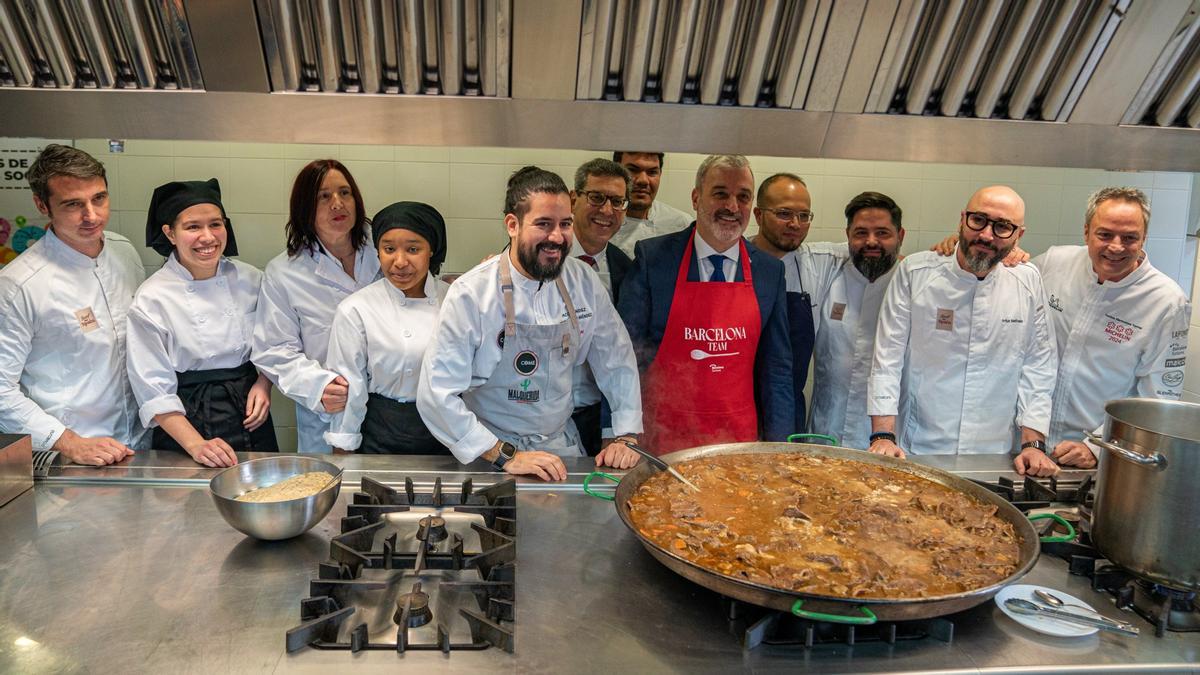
(62, 320)
(1121, 326)
(964, 351)
(849, 313)
(329, 256)
(496, 382)
(380, 334)
(189, 333)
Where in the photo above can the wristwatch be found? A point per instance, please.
(1040, 445)
(506, 452)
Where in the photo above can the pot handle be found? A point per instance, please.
(587, 484)
(866, 619)
(1156, 460)
(796, 438)
(1069, 536)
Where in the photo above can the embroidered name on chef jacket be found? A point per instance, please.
(838, 311)
(945, 319)
(1119, 331)
(87, 319)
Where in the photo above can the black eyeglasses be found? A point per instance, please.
(596, 198)
(786, 215)
(1002, 229)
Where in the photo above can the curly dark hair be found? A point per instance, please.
(302, 208)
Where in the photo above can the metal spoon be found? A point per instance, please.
(662, 465)
(1021, 606)
(1058, 603)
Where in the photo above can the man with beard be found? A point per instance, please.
(849, 311)
(599, 202)
(964, 351)
(645, 217)
(708, 318)
(496, 380)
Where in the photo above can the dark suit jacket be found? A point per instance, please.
(618, 267)
(645, 302)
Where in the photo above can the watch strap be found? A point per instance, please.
(1040, 445)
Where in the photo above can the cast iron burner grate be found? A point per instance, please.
(487, 575)
(759, 626)
(1033, 494)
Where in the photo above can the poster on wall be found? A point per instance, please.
(20, 222)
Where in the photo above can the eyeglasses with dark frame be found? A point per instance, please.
(786, 215)
(597, 199)
(1001, 228)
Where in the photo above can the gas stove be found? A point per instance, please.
(428, 569)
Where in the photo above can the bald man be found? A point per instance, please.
(964, 352)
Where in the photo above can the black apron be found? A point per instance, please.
(587, 421)
(394, 428)
(215, 403)
(803, 336)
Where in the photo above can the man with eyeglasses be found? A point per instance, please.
(646, 216)
(599, 202)
(964, 350)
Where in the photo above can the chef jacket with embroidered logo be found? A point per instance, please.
(177, 324)
(383, 333)
(962, 362)
(1114, 340)
(466, 349)
(62, 342)
(291, 333)
(810, 269)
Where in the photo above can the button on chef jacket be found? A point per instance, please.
(465, 351)
(842, 356)
(962, 362)
(378, 342)
(1114, 340)
(58, 368)
(177, 324)
(291, 334)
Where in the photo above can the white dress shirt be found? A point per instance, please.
(705, 268)
(62, 342)
(662, 218)
(177, 324)
(291, 333)
(377, 343)
(465, 350)
(1115, 340)
(962, 362)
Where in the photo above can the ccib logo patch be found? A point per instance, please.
(526, 363)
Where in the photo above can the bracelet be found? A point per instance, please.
(879, 435)
(1039, 445)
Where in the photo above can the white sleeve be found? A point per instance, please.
(1039, 369)
(151, 375)
(348, 356)
(614, 365)
(1160, 370)
(891, 344)
(278, 352)
(18, 413)
(446, 374)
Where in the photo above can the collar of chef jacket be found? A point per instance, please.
(65, 254)
(1138, 272)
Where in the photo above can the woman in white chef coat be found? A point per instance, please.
(329, 256)
(380, 333)
(189, 331)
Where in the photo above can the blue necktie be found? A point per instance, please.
(718, 263)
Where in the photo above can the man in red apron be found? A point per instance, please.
(707, 315)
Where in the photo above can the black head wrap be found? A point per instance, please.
(416, 217)
(173, 198)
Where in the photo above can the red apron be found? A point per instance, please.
(699, 389)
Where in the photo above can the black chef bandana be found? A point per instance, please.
(415, 217)
(174, 198)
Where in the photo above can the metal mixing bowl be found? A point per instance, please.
(273, 520)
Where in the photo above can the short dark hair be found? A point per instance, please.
(525, 182)
(619, 153)
(601, 168)
(874, 200)
(61, 160)
(771, 180)
(301, 226)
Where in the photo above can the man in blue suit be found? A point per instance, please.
(707, 315)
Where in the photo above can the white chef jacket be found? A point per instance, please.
(291, 331)
(177, 324)
(586, 392)
(662, 218)
(842, 355)
(1115, 340)
(465, 350)
(962, 362)
(811, 268)
(377, 343)
(62, 342)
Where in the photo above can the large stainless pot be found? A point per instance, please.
(1148, 490)
(850, 610)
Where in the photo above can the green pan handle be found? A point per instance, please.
(866, 619)
(587, 484)
(1069, 536)
(796, 438)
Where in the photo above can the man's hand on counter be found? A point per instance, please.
(1034, 462)
(1074, 453)
(618, 455)
(544, 465)
(213, 452)
(97, 451)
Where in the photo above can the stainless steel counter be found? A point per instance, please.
(130, 568)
